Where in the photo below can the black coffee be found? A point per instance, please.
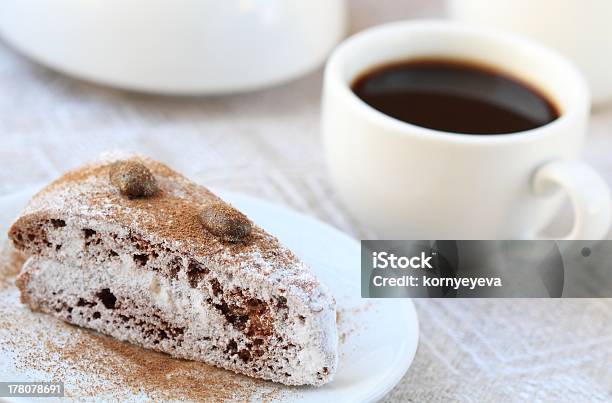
(454, 97)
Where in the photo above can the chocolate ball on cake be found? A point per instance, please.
(225, 222)
(132, 179)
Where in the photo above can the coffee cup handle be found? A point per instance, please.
(588, 193)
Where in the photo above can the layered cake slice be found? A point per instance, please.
(134, 250)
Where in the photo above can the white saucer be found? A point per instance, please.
(380, 335)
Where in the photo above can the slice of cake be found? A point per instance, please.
(134, 250)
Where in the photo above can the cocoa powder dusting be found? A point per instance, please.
(172, 215)
(158, 375)
(174, 212)
(98, 366)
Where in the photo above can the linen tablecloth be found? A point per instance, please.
(267, 144)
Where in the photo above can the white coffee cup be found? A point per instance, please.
(581, 30)
(406, 181)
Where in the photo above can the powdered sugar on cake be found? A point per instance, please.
(118, 265)
(86, 193)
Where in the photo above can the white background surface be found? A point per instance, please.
(267, 144)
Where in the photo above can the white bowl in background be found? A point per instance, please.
(176, 47)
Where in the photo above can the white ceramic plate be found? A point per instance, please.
(380, 335)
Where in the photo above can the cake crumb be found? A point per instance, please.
(96, 367)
